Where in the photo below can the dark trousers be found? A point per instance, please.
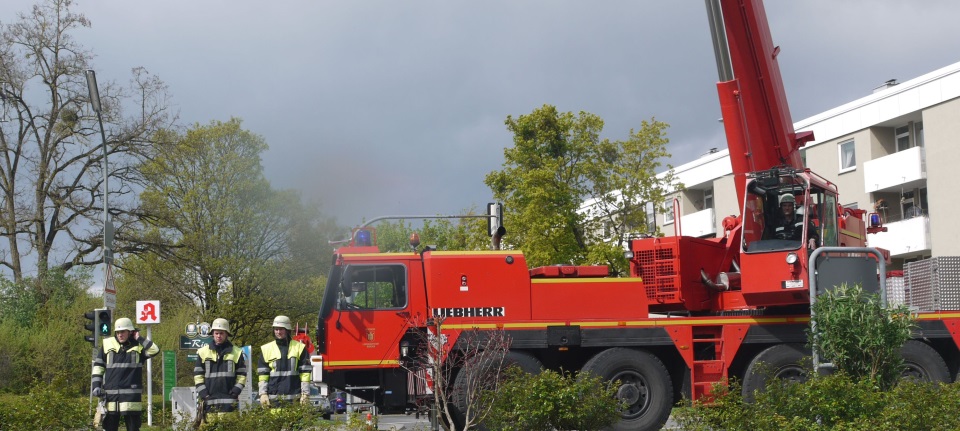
(111, 422)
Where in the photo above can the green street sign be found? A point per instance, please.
(169, 373)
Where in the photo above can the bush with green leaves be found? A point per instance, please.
(834, 402)
(46, 407)
(859, 335)
(862, 338)
(291, 417)
(552, 400)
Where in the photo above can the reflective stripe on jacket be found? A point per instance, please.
(118, 371)
(283, 378)
(217, 373)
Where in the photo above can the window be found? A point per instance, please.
(918, 133)
(708, 198)
(368, 287)
(848, 156)
(650, 210)
(668, 211)
(902, 137)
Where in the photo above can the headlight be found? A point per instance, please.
(792, 258)
(628, 255)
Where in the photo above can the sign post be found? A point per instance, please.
(148, 313)
(169, 376)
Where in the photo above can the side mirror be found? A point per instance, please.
(358, 286)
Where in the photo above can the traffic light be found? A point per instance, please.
(92, 327)
(105, 322)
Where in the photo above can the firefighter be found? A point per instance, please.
(118, 374)
(284, 367)
(790, 224)
(221, 371)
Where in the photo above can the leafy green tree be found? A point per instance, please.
(854, 330)
(51, 163)
(558, 162)
(231, 244)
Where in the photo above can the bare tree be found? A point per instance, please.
(460, 374)
(51, 154)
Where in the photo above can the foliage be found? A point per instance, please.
(46, 407)
(460, 377)
(294, 416)
(859, 335)
(442, 234)
(51, 175)
(834, 402)
(552, 400)
(558, 162)
(43, 344)
(232, 245)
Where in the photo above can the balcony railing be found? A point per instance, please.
(904, 237)
(698, 224)
(894, 171)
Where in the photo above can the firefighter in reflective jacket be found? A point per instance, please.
(221, 371)
(283, 370)
(118, 374)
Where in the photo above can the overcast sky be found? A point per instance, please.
(398, 107)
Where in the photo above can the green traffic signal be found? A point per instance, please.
(105, 321)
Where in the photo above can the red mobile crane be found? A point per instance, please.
(692, 312)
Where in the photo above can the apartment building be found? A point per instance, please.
(895, 152)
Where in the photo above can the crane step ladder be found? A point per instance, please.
(710, 349)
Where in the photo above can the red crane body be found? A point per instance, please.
(692, 312)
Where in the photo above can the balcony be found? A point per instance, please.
(699, 224)
(905, 237)
(904, 169)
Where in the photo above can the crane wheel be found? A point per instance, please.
(781, 362)
(527, 362)
(644, 386)
(922, 363)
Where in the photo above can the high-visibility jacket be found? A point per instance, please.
(283, 370)
(118, 371)
(220, 369)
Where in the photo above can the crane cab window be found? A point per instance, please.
(374, 287)
(787, 215)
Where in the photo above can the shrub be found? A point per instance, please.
(46, 407)
(552, 400)
(292, 417)
(859, 335)
(834, 402)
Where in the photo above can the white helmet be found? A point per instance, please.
(282, 322)
(221, 324)
(123, 324)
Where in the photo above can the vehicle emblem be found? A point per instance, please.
(370, 333)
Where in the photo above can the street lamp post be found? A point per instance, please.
(109, 295)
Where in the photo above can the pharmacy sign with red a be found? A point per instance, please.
(148, 312)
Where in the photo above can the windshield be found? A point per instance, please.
(779, 214)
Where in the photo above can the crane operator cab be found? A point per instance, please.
(787, 209)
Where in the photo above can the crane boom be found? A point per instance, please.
(756, 116)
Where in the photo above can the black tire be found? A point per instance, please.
(645, 386)
(922, 363)
(527, 362)
(782, 362)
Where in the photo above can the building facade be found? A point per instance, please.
(895, 152)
